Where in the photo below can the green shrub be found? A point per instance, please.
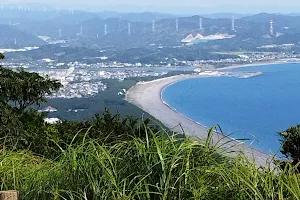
(290, 143)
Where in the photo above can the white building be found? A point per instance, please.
(52, 120)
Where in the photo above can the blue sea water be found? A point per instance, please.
(255, 108)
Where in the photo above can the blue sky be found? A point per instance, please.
(176, 6)
(166, 2)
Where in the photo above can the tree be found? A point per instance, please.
(21, 127)
(290, 143)
(22, 89)
(1, 56)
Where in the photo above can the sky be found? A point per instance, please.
(179, 6)
(166, 2)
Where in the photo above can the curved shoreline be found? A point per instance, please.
(170, 107)
(148, 97)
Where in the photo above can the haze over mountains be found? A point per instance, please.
(188, 7)
(145, 33)
(65, 25)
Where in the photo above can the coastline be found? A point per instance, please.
(259, 64)
(148, 97)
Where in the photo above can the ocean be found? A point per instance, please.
(255, 108)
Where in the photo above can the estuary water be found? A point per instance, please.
(255, 108)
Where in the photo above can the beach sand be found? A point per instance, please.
(147, 96)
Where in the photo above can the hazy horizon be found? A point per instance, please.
(169, 6)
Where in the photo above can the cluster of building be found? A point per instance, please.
(133, 69)
(74, 85)
(51, 64)
(81, 80)
(83, 83)
(248, 58)
(79, 90)
(102, 64)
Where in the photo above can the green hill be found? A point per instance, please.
(12, 37)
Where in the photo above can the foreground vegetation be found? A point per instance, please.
(110, 157)
(156, 167)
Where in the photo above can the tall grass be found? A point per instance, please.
(159, 167)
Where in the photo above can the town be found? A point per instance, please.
(82, 80)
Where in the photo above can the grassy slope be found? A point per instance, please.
(154, 168)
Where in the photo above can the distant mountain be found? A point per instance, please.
(288, 39)
(225, 15)
(27, 15)
(132, 30)
(281, 23)
(71, 19)
(136, 17)
(11, 35)
(294, 14)
(165, 33)
(281, 18)
(70, 24)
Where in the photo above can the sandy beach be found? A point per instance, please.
(147, 96)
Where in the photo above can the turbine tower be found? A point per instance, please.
(271, 27)
(129, 28)
(105, 29)
(177, 25)
(200, 23)
(59, 33)
(120, 19)
(232, 23)
(15, 41)
(81, 30)
(153, 25)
